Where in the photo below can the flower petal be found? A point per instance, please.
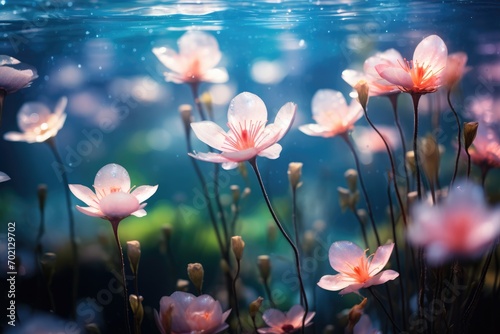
(229, 165)
(284, 118)
(351, 288)
(16, 136)
(380, 258)
(216, 75)
(432, 51)
(167, 57)
(381, 278)
(240, 156)
(210, 133)
(315, 130)
(328, 104)
(12, 79)
(295, 312)
(4, 177)
(335, 282)
(112, 176)
(118, 205)
(202, 46)
(90, 211)
(210, 157)
(344, 255)
(246, 107)
(274, 317)
(352, 76)
(395, 75)
(139, 213)
(272, 152)
(84, 194)
(144, 192)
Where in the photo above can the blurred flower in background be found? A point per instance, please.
(289, 322)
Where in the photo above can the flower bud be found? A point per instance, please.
(255, 306)
(196, 273)
(412, 197)
(351, 175)
(294, 174)
(363, 92)
(470, 131)
(238, 245)
(271, 231)
(186, 110)
(363, 215)
(246, 192)
(206, 99)
(410, 161)
(182, 285)
(355, 314)
(264, 264)
(48, 263)
(134, 255)
(136, 306)
(429, 156)
(308, 242)
(347, 199)
(235, 192)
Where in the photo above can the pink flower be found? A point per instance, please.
(455, 69)
(368, 141)
(485, 109)
(378, 85)
(461, 225)
(332, 114)
(15, 75)
(357, 271)
(113, 199)
(364, 326)
(485, 150)
(280, 322)
(38, 123)
(423, 74)
(190, 314)
(4, 177)
(198, 55)
(248, 135)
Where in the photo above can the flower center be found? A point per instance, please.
(244, 135)
(287, 328)
(423, 77)
(360, 272)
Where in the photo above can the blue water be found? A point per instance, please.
(98, 54)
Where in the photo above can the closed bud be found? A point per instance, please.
(264, 264)
(134, 255)
(42, 196)
(429, 156)
(186, 110)
(355, 314)
(347, 198)
(136, 306)
(182, 285)
(246, 192)
(363, 215)
(206, 99)
(308, 242)
(351, 176)
(470, 131)
(363, 92)
(48, 263)
(235, 192)
(196, 273)
(410, 161)
(254, 307)
(412, 197)
(294, 174)
(237, 245)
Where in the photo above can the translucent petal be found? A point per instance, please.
(246, 107)
(344, 255)
(118, 205)
(90, 211)
(327, 101)
(210, 133)
(335, 282)
(142, 193)
(84, 194)
(112, 176)
(395, 75)
(380, 258)
(432, 51)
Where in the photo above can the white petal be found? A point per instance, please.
(216, 75)
(432, 51)
(84, 194)
(210, 133)
(246, 107)
(90, 211)
(142, 193)
(272, 152)
(168, 58)
(4, 177)
(284, 118)
(326, 102)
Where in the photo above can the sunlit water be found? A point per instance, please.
(98, 54)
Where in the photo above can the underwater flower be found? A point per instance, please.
(423, 74)
(364, 326)
(332, 114)
(455, 69)
(37, 122)
(113, 198)
(460, 225)
(485, 109)
(378, 86)
(289, 322)
(356, 270)
(183, 313)
(15, 75)
(485, 150)
(248, 135)
(4, 177)
(198, 55)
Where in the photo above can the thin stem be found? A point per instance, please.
(236, 307)
(74, 247)
(194, 91)
(416, 98)
(396, 251)
(268, 292)
(468, 162)
(423, 275)
(295, 226)
(394, 102)
(363, 187)
(459, 136)
(115, 224)
(394, 326)
(363, 227)
(253, 163)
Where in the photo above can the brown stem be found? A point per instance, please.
(416, 98)
(459, 136)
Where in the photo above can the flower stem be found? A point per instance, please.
(236, 308)
(362, 184)
(394, 102)
(394, 326)
(363, 227)
(194, 91)
(253, 163)
(114, 224)
(74, 248)
(296, 227)
(468, 162)
(457, 119)
(416, 99)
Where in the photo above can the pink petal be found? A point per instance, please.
(61, 106)
(8, 60)
(118, 205)
(351, 288)
(327, 101)
(216, 75)
(210, 157)
(229, 165)
(315, 130)
(335, 282)
(84, 194)
(158, 322)
(174, 77)
(390, 57)
(240, 156)
(112, 176)
(269, 136)
(90, 211)
(380, 258)
(344, 255)
(395, 75)
(167, 57)
(381, 278)
(210, 133)
(201, 45)
(352, 77)
(180, 302)
(432, 51)
(246, 107)
(272, 152)
(274, 317)
(142, 193)
(139, 213)
(11, 79)
(284, 118)
(15, 136)
(295, 312)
